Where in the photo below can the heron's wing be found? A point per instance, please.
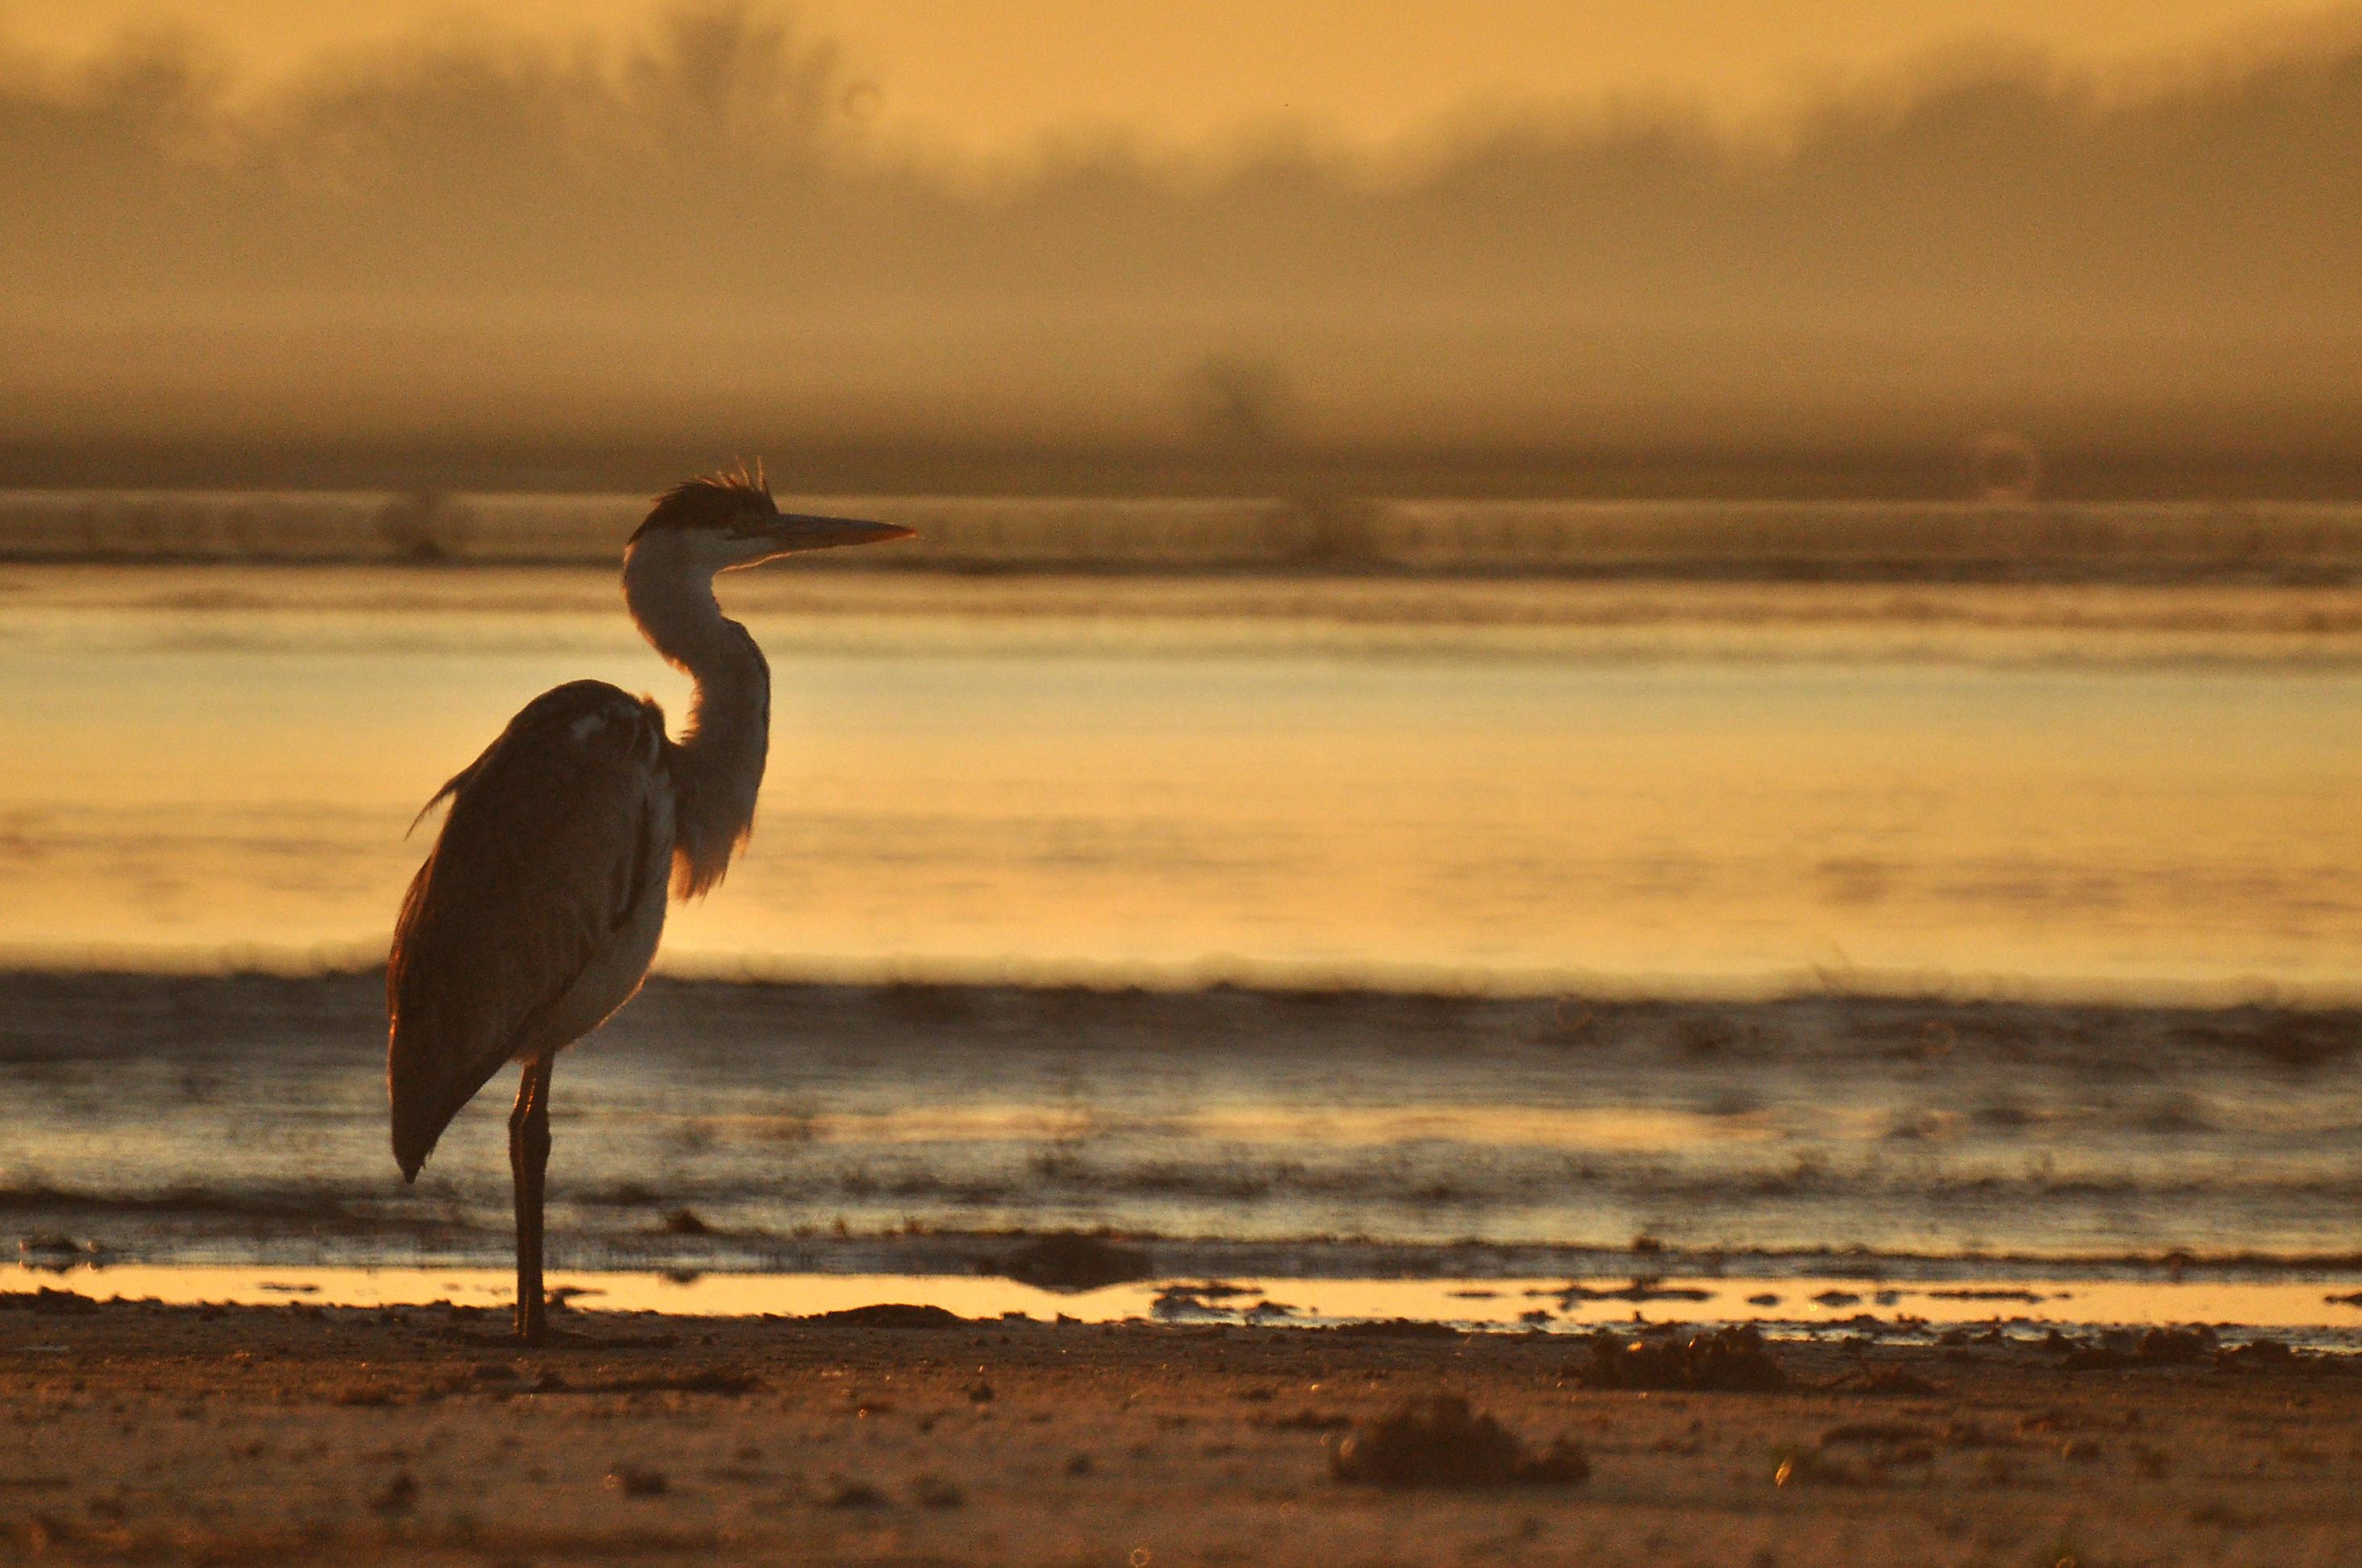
(551, 844)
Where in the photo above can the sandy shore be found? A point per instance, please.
(140, 1432)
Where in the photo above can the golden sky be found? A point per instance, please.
(980, 75)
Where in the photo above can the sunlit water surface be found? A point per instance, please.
(2304, 1313)
(1578, 785)
(1552, 789)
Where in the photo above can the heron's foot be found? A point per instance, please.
(532, 1327)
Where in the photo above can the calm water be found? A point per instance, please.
(869, 1129)
(1641, 789)
(1535, 790)
(2302, 1312)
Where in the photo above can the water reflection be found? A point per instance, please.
(2310, 1306)
(1715, 788)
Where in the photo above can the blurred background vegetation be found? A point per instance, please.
(547, 262)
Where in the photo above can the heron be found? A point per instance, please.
(538, 910)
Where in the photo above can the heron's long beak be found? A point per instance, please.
(794, 531)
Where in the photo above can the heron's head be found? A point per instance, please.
(722, 521)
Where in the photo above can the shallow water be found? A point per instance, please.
(1529, 787)
(2311, 1312)
(1557, 794)
(731, 1127)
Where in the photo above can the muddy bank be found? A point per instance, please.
(420, 1435)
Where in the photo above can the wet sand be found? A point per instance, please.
(142, 1432)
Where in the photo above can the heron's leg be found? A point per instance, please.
(529, 1163)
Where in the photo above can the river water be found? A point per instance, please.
(2094, 792)
(1447, 840)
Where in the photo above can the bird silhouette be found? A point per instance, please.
(538, 911)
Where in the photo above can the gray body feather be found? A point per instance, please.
(539, 910)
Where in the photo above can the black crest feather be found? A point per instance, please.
(711, 500)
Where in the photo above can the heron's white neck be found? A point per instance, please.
(717, 766)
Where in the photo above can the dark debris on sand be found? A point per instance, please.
(699, 1380)
(1439, 1440)
(846, 1493)
(1396, 1327)
(1732, 1360)
(2194, 1346)
(1892, 1380)
(2154, 1347)
(637, 1480)
(892, 1315)
(1071, 1261)
(2258, 1353)
(45, 1299)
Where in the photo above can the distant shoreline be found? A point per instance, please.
(1301, 535)
(2272, 1021)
